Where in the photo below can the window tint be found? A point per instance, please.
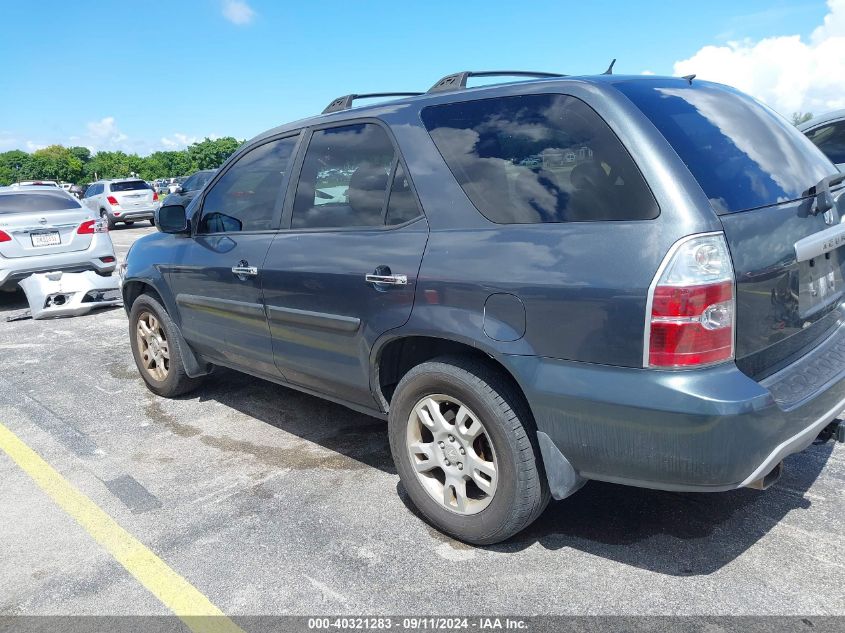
(245, 197)
(344, 177)
(402, 206)
(129, 185)
(36, 203)
(742, 154)
(197, 181)
(539, 158)
(830, 139)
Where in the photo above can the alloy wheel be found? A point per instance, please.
(152, 346)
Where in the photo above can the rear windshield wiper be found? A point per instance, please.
(824, 199)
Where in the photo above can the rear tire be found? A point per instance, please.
(155, 343)
(107, 219)
(485, 425)
(129, 222)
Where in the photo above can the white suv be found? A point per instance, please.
(126, 200)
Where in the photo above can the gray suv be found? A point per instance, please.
(628, 279)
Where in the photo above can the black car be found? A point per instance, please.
(190, 188)
(628, 279)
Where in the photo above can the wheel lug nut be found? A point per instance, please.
(460, 466)
(463, 452)
(441, 444)
(448, 463)
(451, 439)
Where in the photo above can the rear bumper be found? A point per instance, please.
(135, 214)
(13, 270)
(714, 429)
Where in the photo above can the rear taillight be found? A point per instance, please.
(89, 227)
(155, 197)
(112, 201)
(691, 313)
(5, 237)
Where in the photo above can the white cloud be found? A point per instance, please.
(238, 12)
(647, 72)
(786, 72)
(104, 133)
(177, 140)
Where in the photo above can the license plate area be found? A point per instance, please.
(820, 283)
(46, 238)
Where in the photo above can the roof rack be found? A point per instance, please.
(458, 81)
(345, 102)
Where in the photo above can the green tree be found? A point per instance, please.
(14, 165)
(210, 154)
(801, 117)
(82, 153)
(57, 163)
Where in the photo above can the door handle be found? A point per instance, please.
(392, 280)
(243, 272)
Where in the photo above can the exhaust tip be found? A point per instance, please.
(768, 479)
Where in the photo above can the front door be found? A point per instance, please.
(216, 278)
(345, 272)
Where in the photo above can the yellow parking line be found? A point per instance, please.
(177, 594)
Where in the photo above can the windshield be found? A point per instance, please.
(197, 181)
(130, 185)
(36, 203)
(742, 154)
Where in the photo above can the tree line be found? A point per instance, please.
(80, 165)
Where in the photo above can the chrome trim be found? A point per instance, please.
(247, 271)
(820, 243)
(393, 280)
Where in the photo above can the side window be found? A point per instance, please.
(344, 177)
(401, 206)
(537, 159)
(830, 139)
(245, 197)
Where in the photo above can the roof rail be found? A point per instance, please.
(458, 81)
(345, 102)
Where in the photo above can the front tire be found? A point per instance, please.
(105, 217)
(463, 442)
(156, 348)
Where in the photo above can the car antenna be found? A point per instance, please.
(689, 78)
(609, 70)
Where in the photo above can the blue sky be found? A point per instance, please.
(156, 74)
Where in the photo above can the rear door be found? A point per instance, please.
(345, 271)
(217, 273)
(760, 175)
(41, 223)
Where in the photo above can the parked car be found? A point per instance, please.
(43, 229)
(126, 200)
(174, 184)
(522, 330)
(828, 133)
(188, 190)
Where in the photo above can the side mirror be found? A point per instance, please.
(178, 189)
(171, 218)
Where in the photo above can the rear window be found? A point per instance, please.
(129, 185)
(36, 203)
(742, 154)
(830, 139)
(539, 158)
(197, 181)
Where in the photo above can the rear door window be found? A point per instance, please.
(344, 178)
(830, 139)
(742, 154)
(246, 197)
(539, 159)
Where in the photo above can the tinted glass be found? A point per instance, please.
(344, 176)
(402, 206)
(539, 158)
(742, 154)
(245, 197)
(197, 181)
(129, 185)
(36, 203)
(830, 139)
